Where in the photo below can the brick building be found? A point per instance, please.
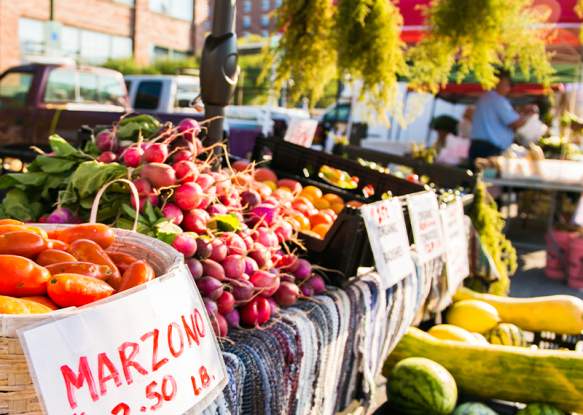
(254, 17)
(92, 31)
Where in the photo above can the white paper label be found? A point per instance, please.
(426, 225)
(301, 132)
(456, 244)
(151, 351)
(387, 233)
(578, 216)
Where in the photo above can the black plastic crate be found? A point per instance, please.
(552, 341)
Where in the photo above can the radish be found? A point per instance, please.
(283, 231)
(261, 256)
(210, 287)
(263, 310)
(107, 157)
(287, 277)
(276, 256)
(188, 196)
(235, 244)
(242, 290)
(205, 181)
(223, 326)
(211, 307)
(307, 290)
(105, 141)
(317, 283)
(189, 128)
(234, 266)
(249, 314)
(132, 157)
(213, 269)
(144, 187)
(226, 303)
(288, 263)
(195, 220)
(273, 305)
(186, 171)
(156, 153)
(204, 248)
(195, 268)
(145, 145)
(208, 198)
(249, 243)
(267, 238)
(62, 215)
(266, 282)
(233, 319)
(287, 294)
(159, 174)
(217, 209)
(219, 250)
(152, 198)
(173, 212)
(183, 155)
(240, 165)
(245, 276)
(250, 266)
(185, 243)
(250, 199)
(303, 270)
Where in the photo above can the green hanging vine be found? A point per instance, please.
(478, 36)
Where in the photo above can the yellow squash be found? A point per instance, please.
(473, 315)
(11, 305)
(501, 372)
(451, 332)
(558, 313)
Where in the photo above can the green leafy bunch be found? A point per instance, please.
(479, 36)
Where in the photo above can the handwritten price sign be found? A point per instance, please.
(456, 244)
(301, 132)
(151, 351)
(426, 224)
(387, 233)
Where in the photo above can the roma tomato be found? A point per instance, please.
(75, 290)
(22, 277)
(25, 228)
(86, 250)
(23, 243)
(122, 261)
(41, 299)
(54, 256)
(101, 234)
(10, 222)
(102, 272)
(11, 305)
(56, 244)
(137, 274)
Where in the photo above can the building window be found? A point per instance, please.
(127, 2)
(247, 6)
(160, 52)
(148, 95)
(246, 22)
(94, 47)
(31, 34)
(265, 20)
(276, 3)
(181, 9)
(265, 33)
(265, 5)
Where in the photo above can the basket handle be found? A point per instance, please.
(135, 195)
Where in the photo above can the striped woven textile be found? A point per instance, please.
(321, 354)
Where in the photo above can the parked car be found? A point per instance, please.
(163, 93)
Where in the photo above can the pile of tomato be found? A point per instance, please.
(68, 267)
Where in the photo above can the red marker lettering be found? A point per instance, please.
(156, 364)
(127, 361)
(195, 388)
(204, 377)
(199, 323)
(103, 363)
(191, 332)
(77, 381)
(170, 345)
(121, 409)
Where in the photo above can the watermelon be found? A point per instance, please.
(540, 409)
(419, 386)
(507, 334)
(473, 408)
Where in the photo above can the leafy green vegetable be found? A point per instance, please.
(17, 205)
(167, 231)
(130, 128)
(225, 223)
(91, 176)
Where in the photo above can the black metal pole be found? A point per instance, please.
(219, 69)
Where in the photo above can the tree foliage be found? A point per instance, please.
(478, 36)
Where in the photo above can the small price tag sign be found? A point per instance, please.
(151, 351)
(456, 244)
(387, 233)
(301, 132)
(426, 225)
(578, 216)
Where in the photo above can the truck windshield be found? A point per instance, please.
(14, 88)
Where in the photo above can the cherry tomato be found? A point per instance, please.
(137, 274)
(10, 222)
(122, 261)
(54, 256)
(23, 243)
(102, 272)
(22, 277)
(99, 233)
(56, 244)
(46, 301)
(68, 290)
(25, 228)
(11, 305)
(86, 250)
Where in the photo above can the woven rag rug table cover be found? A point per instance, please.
(321, 354)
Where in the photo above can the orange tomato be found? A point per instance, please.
(11, 305)
(23, 228)
(332, 198)
(122, 261)
(54, 256)
(56, 244)
(10, 222)
(337, 207)
(22, 277)
(270, 184)
(294, 223)
(88, 251)
(102, 272)
(137, 274)
(99, 233)
(330, 213)
(354, 204)
(303, 221)
(321, 204)
(303, 200)
(46, 301)
(320, 218)
(75, 290)
(23, 243)
(312, 191)
(321, 229)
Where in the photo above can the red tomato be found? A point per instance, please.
(22, 277)
(56, 244)
(10, 222)
(46, 301)
(23, 243)
(68, 290)
(23, 228)
(102, 272)
(54, 256)
(101, 234)
(137, 274)
(122, 261)
(88, 251)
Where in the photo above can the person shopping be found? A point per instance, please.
(495, 121)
